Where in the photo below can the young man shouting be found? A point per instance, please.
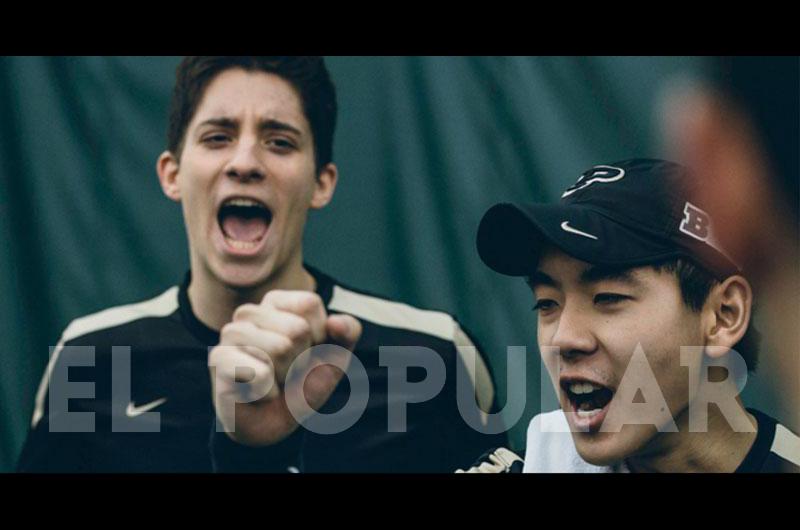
(644, 325)
(249, 154)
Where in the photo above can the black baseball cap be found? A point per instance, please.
(630, 213)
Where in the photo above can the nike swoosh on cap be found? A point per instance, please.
(565, 227)
(132, 411)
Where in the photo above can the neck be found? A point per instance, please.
(721, 449)
(214, 302)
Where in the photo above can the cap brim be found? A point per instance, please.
(511, 238)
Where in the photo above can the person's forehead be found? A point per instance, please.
(553, 259)
(560, 266)
(236, 93)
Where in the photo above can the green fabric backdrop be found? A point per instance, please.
(424, 145)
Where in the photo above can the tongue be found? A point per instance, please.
(243, 228)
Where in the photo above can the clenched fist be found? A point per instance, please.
(255, 369)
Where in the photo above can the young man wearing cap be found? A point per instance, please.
(249, 155)
(644, 325)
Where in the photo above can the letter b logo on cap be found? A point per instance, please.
(696, 223)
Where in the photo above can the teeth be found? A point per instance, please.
(243, 202)
(241, 245)
(583, 388)
(588, 413)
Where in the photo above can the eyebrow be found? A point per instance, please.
(276, 125)
(265, 125)
(593, 274)
(225, 123)
(538, 279)
(600, 273)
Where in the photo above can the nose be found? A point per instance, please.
(573, 334)
(245, 165)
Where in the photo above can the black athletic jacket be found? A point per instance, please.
(168, 393)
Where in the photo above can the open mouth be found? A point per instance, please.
(244, 222)
(588, 400)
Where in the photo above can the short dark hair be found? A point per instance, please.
(696, 283)
(308, 75)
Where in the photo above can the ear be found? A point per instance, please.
(325, 186)
(729, 306)
(167, 168)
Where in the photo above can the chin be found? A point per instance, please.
(608, 448)
(598, 449)
(243, 276)
(604, 449)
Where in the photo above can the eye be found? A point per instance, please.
(610, 298)
(544, 305)
(216, 139)
(281, 144)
